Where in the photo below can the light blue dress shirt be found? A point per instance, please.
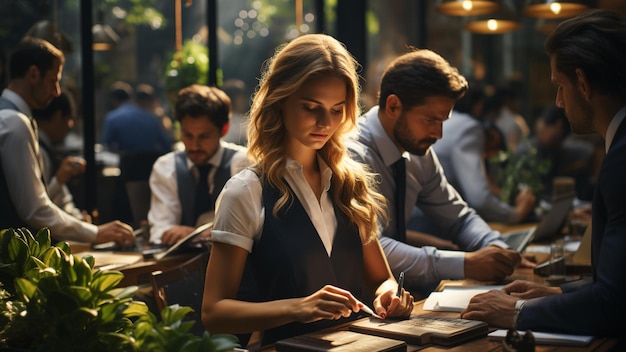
(428, 189)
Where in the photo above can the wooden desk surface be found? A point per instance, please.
(137, 273)
(484, 344)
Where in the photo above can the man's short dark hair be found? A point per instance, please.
(33, 51)
(198, 101)
(121, 91)
(594, 42)
(420, 74)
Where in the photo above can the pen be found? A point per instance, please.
(400, 284)
(369, 311)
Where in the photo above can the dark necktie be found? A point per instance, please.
(400, 178)
(203, 198)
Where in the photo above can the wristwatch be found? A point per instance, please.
(519, 304)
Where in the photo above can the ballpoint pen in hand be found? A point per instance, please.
(400, 284)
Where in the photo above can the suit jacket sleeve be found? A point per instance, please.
(598, 308)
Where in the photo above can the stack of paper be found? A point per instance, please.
(110, 260)
(455, 298)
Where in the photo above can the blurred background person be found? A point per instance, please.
(137, 135)
(236, 90)
(131, 127)
(502, 108)
(566, 155)
(461, 153)
(185, 184)
(54, 123)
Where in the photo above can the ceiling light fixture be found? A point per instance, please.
(502, 21)
(467, 7)
(48, 30)
(104, 37)
(553, 8)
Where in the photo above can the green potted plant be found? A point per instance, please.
(51, 300)
(515, 170)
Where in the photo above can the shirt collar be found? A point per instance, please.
(386, 147)
(325, 171)
(16, 99)
(610, 132)
(215, 160)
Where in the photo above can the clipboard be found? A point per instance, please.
(184, 245)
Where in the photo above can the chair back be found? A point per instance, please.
(139, 200)
(183, 285)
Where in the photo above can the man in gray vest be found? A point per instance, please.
(35, 68)
(185, 184)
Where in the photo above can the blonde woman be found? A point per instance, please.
(302, 222)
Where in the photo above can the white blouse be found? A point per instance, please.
(240, 215)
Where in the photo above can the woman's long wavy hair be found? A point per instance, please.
(292, 66)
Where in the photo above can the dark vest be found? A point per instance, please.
(290, 261)
(55, 160)
(187, 183)
(8, 214)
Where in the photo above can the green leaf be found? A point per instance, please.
(123, 292)
(136, 309)
(224, 342)
(68, 272)
(43, 239)
(106, 280)
(5, 238)
(25, 288)
(65, 247)
(53, 257)
(83, 272)
(18, 252)
(82, 294)
(116, 341)
(89, 259)
(174, 313)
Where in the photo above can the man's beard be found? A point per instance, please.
(403, 136)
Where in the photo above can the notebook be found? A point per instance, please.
(423, 329)
(549, 226)
(340, 341)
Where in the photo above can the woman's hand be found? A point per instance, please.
(387, 304)
(329, 302)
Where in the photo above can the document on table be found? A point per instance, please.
(455, 298)
(549, 338)
(110, 260)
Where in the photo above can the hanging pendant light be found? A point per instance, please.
(48, 30)
(466, 7)
(104, 37)
(553, 8)
(502, 21)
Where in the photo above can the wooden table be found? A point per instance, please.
(484, 344)
(137, 273)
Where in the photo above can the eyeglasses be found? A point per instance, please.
(515, 342)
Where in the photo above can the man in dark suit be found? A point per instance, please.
(588, 63)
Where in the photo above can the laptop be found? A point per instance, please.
(549, 226)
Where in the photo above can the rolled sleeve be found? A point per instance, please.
(165, 208)
(239, 212)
